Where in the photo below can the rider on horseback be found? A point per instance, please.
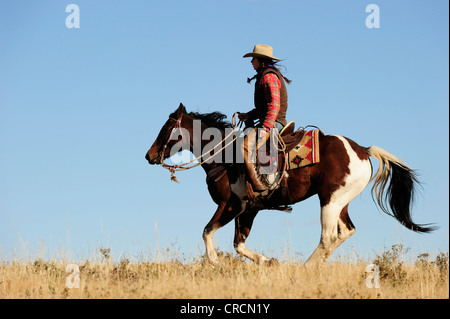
(270, 107)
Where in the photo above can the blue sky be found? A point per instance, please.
(79, 108)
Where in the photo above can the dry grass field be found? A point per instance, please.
(233, 278)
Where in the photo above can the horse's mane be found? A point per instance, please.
(214, 119)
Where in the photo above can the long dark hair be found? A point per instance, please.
(268, 63)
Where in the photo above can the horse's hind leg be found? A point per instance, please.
(329, 218)
(336, 225)
(243, 225)
(336, 228)
(345, 229)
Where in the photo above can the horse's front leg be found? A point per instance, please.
(208, 234)
(225, 212)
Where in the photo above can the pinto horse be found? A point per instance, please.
(341, 175)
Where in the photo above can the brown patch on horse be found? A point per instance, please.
(220, 190)
(335, 160)
(359, 150)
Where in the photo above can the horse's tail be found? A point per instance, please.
(400, 192)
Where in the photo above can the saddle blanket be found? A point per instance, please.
(306, 152)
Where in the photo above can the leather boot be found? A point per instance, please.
(248, 149)
(252, 176)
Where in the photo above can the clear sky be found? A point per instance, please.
(80, 107)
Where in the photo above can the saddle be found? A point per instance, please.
(301, 148)
(290, 138)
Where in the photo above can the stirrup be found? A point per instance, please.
(283, 208)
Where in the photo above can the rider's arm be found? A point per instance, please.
(252, 115)
(272, 87)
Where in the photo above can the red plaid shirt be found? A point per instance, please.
(272, 87)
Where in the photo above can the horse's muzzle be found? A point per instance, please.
(153, 161)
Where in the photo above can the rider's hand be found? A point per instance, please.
(262, 133)
(243, 117)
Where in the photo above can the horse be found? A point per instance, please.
(343, 172)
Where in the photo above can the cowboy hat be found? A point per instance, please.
(262, 51)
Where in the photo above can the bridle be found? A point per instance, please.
(175, 126)
(182, 167)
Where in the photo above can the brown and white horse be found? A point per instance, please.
(341, 175)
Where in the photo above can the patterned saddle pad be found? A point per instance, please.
(306, 152)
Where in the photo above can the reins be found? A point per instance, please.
(182, 167)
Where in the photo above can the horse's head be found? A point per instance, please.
(160, 149)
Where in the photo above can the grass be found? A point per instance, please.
(234, 277)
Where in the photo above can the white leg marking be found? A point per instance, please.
(210, 251)
(343, 235)
(329, 216)
(257, 258)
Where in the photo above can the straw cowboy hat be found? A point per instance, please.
(262, 51)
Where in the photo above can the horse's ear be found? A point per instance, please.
(181, 109)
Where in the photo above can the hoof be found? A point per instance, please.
(213, 262)
(207, 260)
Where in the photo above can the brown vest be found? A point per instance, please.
(260, 98)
